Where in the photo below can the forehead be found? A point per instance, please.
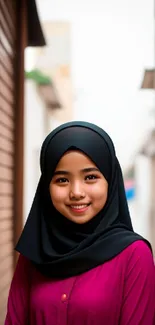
(73, 159)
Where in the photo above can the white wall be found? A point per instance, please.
(140, 208)
(34, 133)
(112, 44)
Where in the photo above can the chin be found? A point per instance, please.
(80, 220)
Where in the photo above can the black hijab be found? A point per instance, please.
(58, 247)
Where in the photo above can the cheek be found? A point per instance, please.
(57, 194)
(99, 194)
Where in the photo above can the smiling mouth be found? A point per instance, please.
(79, 207)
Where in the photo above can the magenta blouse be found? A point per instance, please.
(118, 292)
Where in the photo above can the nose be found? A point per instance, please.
(76, 191)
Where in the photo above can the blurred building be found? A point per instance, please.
(148, 155)
(19, 27)
(48, 98)
(41, 99)
(144, 212)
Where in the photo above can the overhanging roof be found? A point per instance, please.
(148, 79)
(35, 33)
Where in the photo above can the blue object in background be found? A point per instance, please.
(129, 189)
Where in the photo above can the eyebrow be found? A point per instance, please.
(85, 170)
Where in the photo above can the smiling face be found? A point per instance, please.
(78, 189)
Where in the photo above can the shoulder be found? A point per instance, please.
(139, 250)
(138, 256)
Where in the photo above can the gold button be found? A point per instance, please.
(63, 297)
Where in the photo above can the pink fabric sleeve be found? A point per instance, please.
(18, 300)
(138, 306)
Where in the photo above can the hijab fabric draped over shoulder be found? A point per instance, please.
(58, 247)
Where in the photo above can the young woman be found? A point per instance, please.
(80, 261)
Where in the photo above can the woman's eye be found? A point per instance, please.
(91, 177)
(61, 180)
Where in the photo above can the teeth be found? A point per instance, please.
(79, 206)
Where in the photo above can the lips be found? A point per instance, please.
(79, 208)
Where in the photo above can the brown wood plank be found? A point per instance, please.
(4, 299)
(6, 62)
(5, 279)
(4, 294)
(6, 107)
(6, 174)
(5, 44)
(6, 78)
(6, 188)
(6, 131)
(8, 17)
(6, 125)
(6, 93)
(6, 145)
(12, 8)
(6, 237)
(22, 30)
(6, 119)
(3, 302)
(6, 214)
(7, 250)
(3, 312)
(5, 224)
(6, 202)
(6, 158)
(5, 29)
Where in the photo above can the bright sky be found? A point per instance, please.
(112, 44)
